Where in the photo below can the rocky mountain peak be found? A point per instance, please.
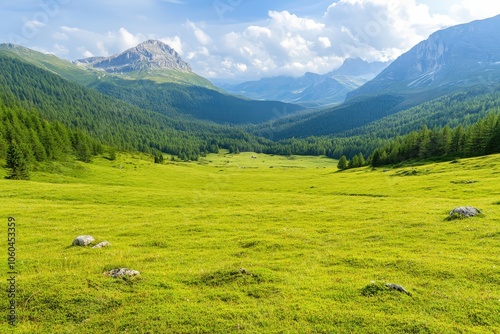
(149, 55)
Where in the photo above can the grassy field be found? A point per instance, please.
(311, 240)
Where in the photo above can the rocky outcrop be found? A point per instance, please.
(397, 287)
(149, 55)
(102, 244)
(121, 273)
(464, 212)
(83, 240)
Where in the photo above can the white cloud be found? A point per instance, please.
(86, 53)
(128, 40)
(380, 29)
(36, 24)
(200, 35)
(324, 41)
(71, 29)
(285, 44)
(60, 36)
(241, 67)
(175, 43)
(467, 10)
(202, 52)
(292, 22)
(282, 43)
(256, 32)
(97, 43)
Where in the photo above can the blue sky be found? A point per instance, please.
(237, 40)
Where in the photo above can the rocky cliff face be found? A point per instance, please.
(149, 55)
(457, 57)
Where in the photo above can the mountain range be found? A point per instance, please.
(152, 75)
(311, 90)
(449, 60)
(463, 58)
(452, 78)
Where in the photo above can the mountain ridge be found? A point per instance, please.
(450, 59)
(311, 89)
(148, 55)
(167, 96)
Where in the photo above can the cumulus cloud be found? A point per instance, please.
(324, 41)
(200, 35)
(285, 44)
(292, 22)
(380, 29)
(105, 44)
(467, 10)
(175, 43)
(128, 40)
(282, 43)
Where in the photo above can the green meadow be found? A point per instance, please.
(316, 245)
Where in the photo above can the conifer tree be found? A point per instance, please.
(112, 154)
(361, 160)
(343, 164)
(17, 163)
(354, 163)
(158, 158)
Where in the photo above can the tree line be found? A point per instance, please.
(26, 139)
(91, 119)
(480, 138)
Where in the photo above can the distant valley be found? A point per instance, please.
(311, 90)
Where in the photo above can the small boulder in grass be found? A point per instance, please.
(83, 240)
(102, 244)
(121, 273)
(397, 287)
(464, 212)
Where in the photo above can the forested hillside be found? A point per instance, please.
(480, 138)
(333, 121)
(197, 101)
(26, 139)
(462, 108)
(112, 121)
(119, 124)
(162, 90)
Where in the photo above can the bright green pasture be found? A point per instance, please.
(310, 239)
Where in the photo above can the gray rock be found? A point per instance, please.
(397, 287)
(121, 272)
(102, 244)
(83, 240)
(149, 55)
(465, 211)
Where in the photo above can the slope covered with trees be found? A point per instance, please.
(332, 121)
(480, 138)
(114, 122)
(26, 139)
(119, 124)
(196, 101)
